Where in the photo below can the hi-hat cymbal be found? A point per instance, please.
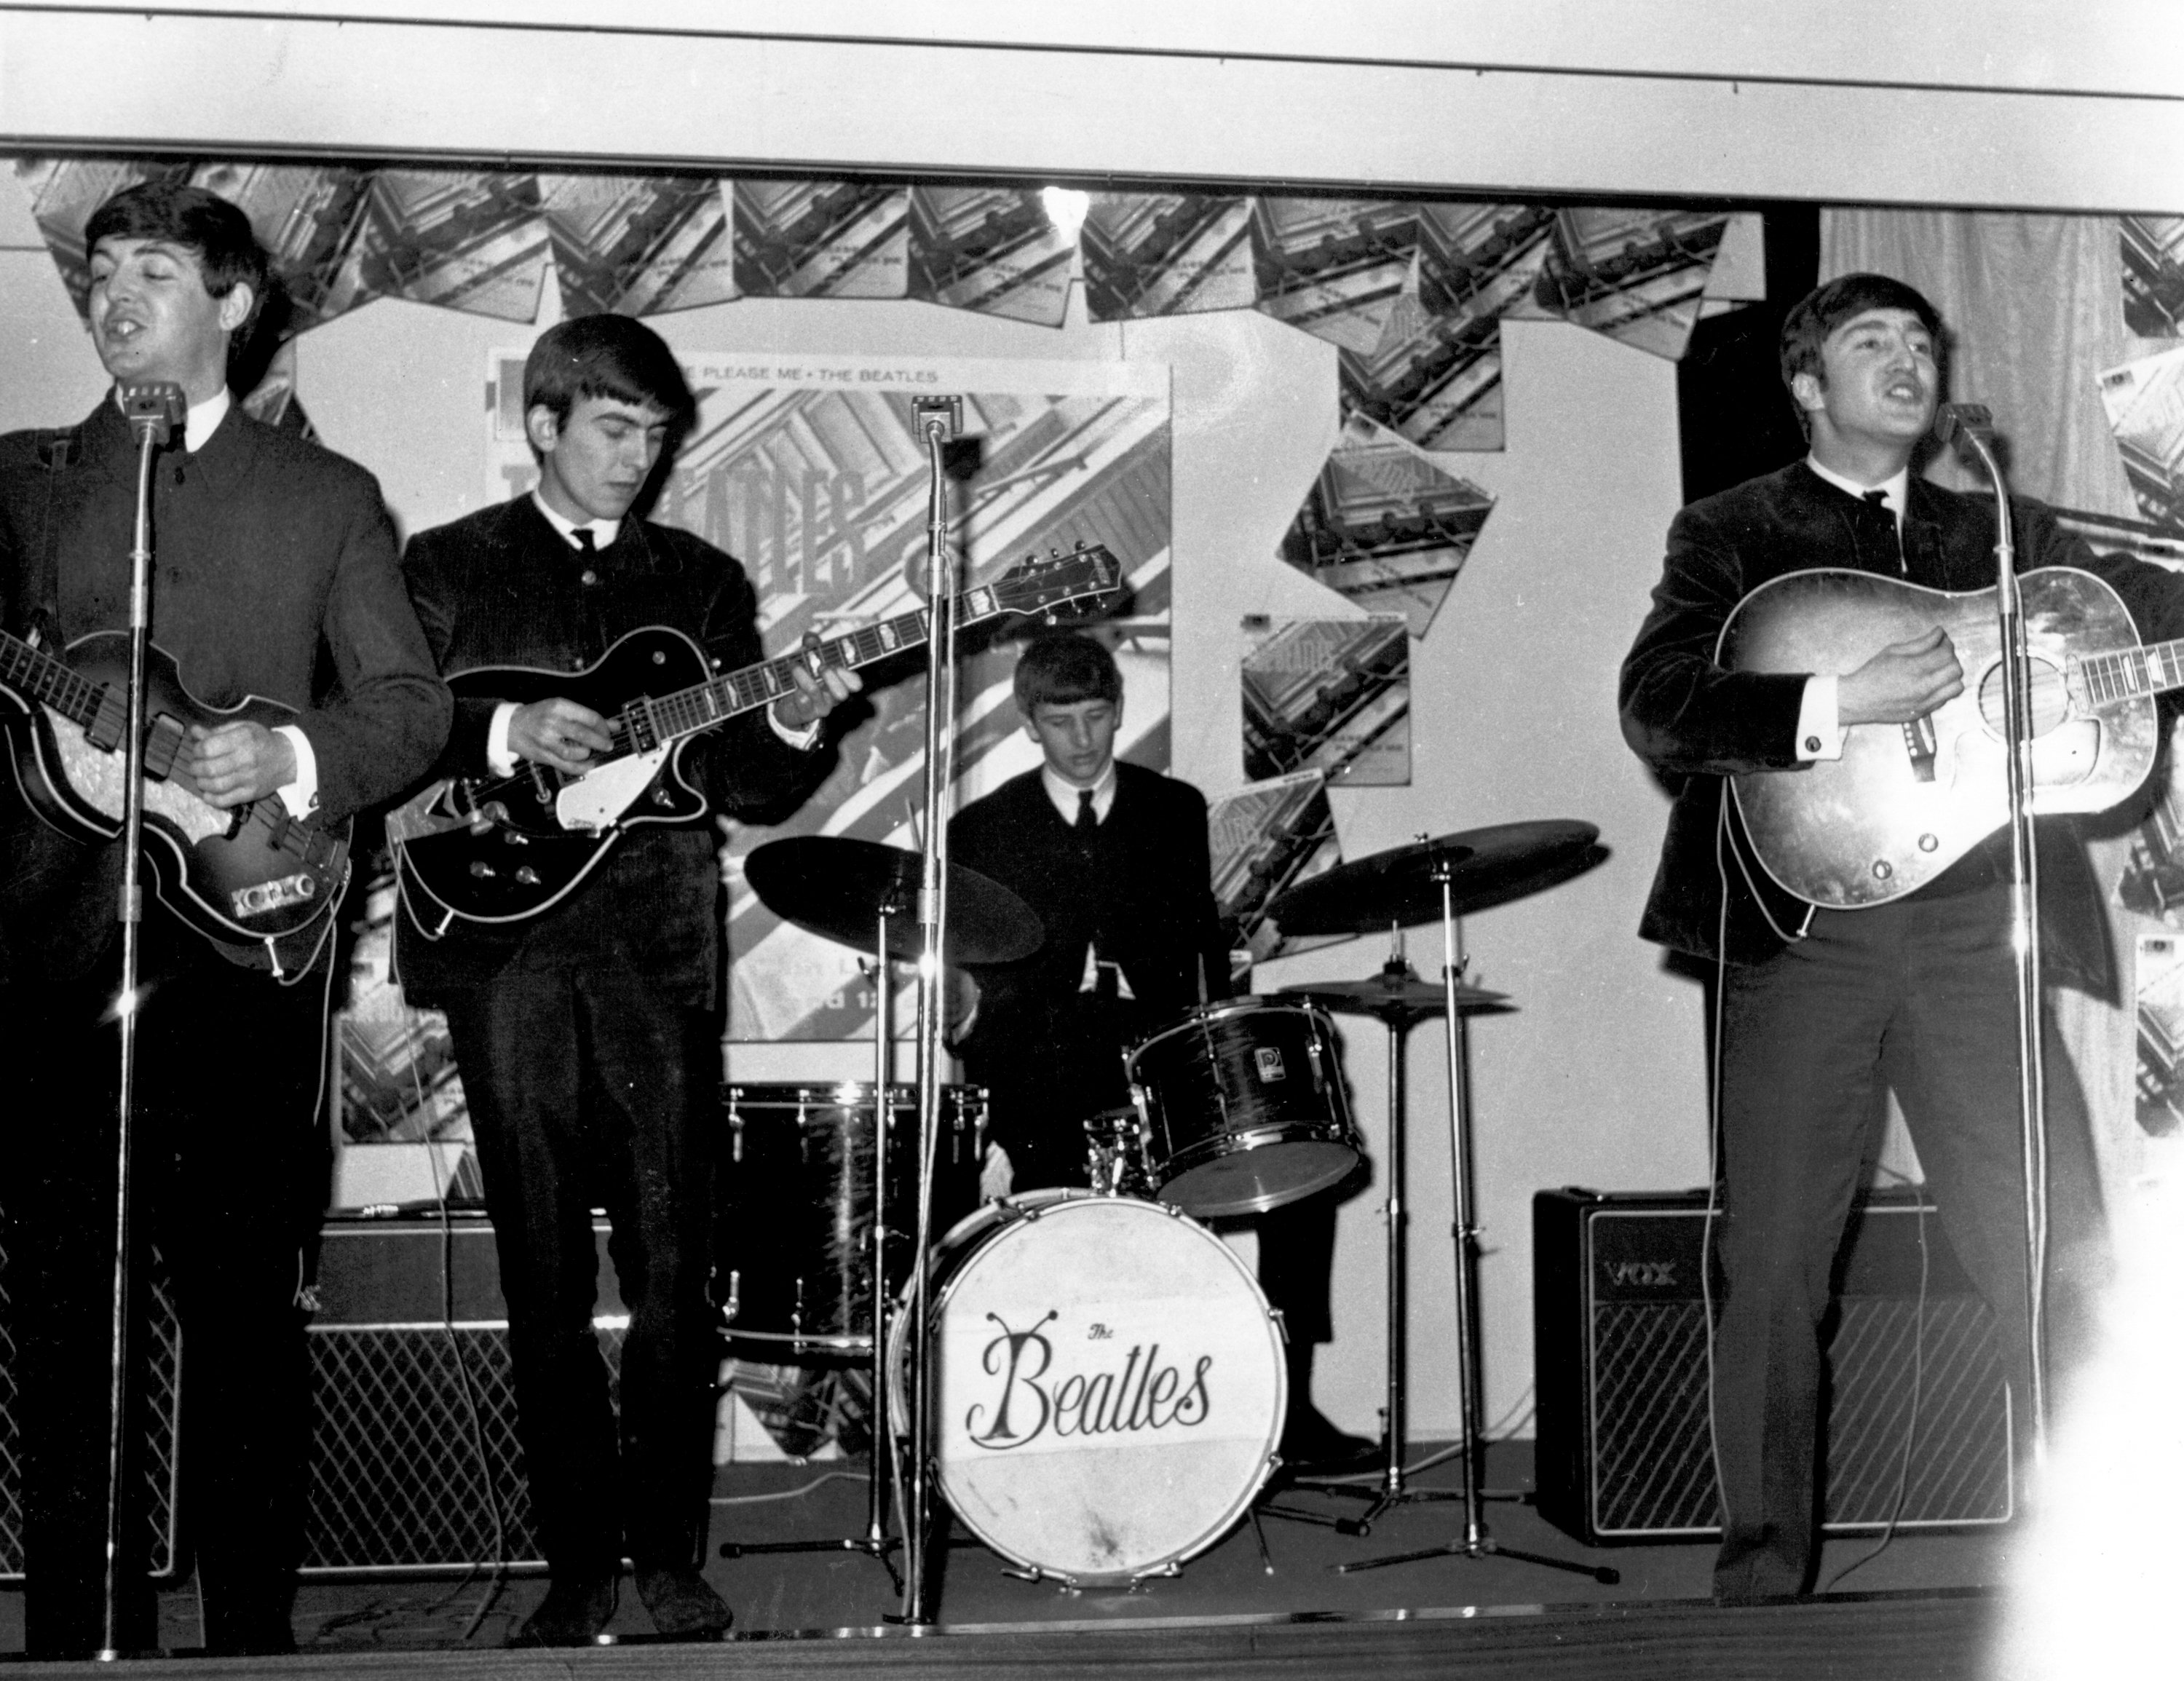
(1398, 995)
(837, 887)
(1402, 886)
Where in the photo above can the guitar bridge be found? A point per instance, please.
(1920, 743)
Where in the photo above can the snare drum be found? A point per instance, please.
(1115, 1154)
(1244, 1107)
(1107, 1383)
(793, 1248)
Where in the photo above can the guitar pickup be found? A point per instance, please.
(1919, 743)
(267, 897)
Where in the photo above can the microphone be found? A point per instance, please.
(154, 410)
(1963, 426)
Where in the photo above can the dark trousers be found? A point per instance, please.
(598, 1089)
(1920, 997)
(230, 1177)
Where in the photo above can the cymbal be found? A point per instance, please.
(1397, 994)
(835, 887)
(1401, 886)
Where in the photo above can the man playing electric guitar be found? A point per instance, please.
(1822, 1009)
(588, 1035)
(274, 560)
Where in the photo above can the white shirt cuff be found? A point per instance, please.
(498, 757)
(1819, 734)
(300, 796)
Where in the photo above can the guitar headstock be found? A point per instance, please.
(1052, 585)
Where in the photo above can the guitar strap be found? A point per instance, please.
(58, 451)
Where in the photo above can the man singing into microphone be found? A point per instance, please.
(275, 575)
(1822, 1011)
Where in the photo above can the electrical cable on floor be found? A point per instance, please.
(792, 1493)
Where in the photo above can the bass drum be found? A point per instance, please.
(792, 1243)
(1106, 1380)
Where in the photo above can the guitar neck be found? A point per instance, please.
(2128, 673)
(37, 675)
(685, 712)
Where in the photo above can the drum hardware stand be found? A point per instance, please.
(875, 1542)
(1475, 1542)
(154, 411)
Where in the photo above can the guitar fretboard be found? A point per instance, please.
(687, 711)
(2125, 674)
(36, 675)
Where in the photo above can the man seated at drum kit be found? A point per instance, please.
(1242, 1103)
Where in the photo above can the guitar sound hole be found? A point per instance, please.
(2051, 696)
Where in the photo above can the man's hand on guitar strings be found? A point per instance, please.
(814, 696)
(560, 733)
(238, 763)
(1905, 680)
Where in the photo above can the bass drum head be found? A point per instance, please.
(1109, 1387)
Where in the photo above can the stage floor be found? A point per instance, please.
(1230, 1605)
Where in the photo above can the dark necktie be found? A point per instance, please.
(1088, 820)
(1879, 498)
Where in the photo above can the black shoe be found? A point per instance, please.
(1313, 1446)
(574, 1612)
(683, 1606)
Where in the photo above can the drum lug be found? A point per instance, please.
(1066, 1582)
(1168, 1571)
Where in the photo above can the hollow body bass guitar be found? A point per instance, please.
(244, 876)
(1906, 801)
(502, 849)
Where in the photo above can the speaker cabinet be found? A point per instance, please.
(161, 1342)
(1625, 1451)
(415, 1462)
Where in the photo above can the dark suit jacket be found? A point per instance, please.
(274, 574)
(1141, 890)
(502, 587)
(1695, 722)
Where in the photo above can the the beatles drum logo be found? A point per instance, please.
(1026, 1396)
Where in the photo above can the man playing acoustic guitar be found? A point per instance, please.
(588, 1033)
(1822, 1010)
(274, 575)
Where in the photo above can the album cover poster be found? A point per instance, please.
(1167, 253)
(2153, 274)
(2160, 1003)
(989, 249)
(1385, 528)
(1334, 268)
(1434, 377)
(1330, 695)
(1638, 275)
(1267, 838)
(638, 245)
(2144, 401)
(820, 239)
(810, 470)
(396, 1078)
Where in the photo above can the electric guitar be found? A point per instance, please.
(502, 849)
(1906, 801)
(245, 876)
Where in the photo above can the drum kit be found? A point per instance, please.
(1101, 1381)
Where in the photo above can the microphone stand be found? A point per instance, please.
(938, 420)
(1971, 429)
(154, 411)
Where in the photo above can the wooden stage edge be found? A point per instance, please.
(1872, 1637)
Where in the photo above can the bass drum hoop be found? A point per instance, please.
(1004, 1216)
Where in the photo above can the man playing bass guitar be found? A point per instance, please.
(589, 1034)
(1821, 1009)
(274, 575)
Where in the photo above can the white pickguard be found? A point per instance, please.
(597, 799)
(96, 779)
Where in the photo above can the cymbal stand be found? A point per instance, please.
(875, 1542)
(1398, 1014)
(1475, 1542)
